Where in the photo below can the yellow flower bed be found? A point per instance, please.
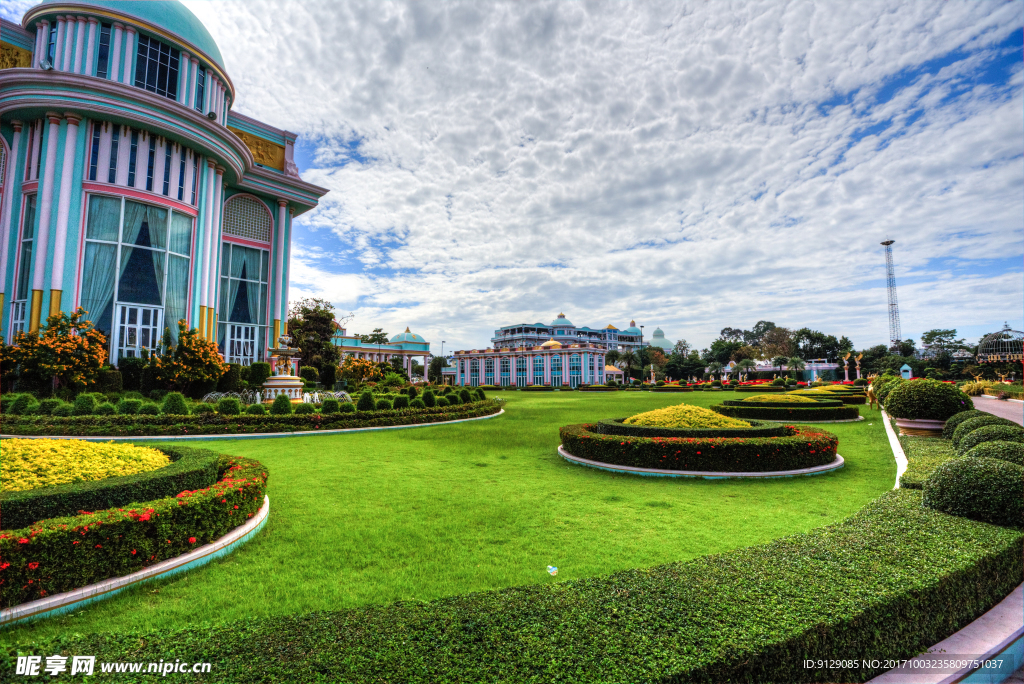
(780, 398)
(685, 416)
(33, 463)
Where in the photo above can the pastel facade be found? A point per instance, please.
(563, 331)
(129, 186)
(407, 346)
(551, 363)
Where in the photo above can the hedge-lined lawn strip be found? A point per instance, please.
(370, 518)
(924, 455)
(886, 583)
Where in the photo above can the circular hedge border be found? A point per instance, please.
(760, 389)
(795, 415)
(615, 426)
(818, 403)
(800, 448)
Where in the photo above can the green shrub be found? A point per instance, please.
(328, 375)
(412, 392)
(21, 403)
(779, 382)
(202, 407)
(429, 399)
(445, 401)
(258, 374)
(464, 396)
(1004, 451)
(882, 393)
(991, 433)
(229, 406)
(480, 396)
(128, 407)
(860, 382)
(309, 374)
(446, 390)
(175, 405)
(231, 380)
(330, 405)
(85, 404)
(616, 426)
(158, 394)
(282, 406)
(383, 405)
(156, 530)
(366, 401)
(985, 489)
(110, 380)
(131, 372)
(149, 408)
(105, 409)
(968, 426)
(190, 468)
(417, 403)
(401, 402)
(304, 409)
(926, 399)
(454, 398)
(347, 407)
(954, 421)
(64, 410)
(46, 406)
(660, 383)
(802, 448)
(787, 412)
(256, 410)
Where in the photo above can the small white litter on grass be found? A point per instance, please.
(552, 570)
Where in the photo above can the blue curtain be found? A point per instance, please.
(177, 293)
(98, 283)
(104, 217)
(181, 233)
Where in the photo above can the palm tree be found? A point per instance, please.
(612, 357)
(796, 364)
(744, 365)
(629, 359)
(780, 361)
(714, 367)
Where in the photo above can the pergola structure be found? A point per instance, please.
(1005, 346)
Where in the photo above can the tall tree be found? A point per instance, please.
(755, 336)
(681, 348)
(434, 369)
(311, 325)
(731, 335)
(777, 342)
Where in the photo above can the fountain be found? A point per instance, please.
(281, 380)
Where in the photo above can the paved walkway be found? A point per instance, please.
(1012, 410)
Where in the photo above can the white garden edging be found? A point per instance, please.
(248, 435)
(76, 598)
(897, 449)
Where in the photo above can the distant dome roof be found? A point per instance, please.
(170, 15)
(632, 328)
(408, 337)
(659, 340)
(561, 320)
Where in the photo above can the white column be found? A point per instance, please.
(60, 238)
(42, 240)
(58, 48)
(204, 285)
(103, 161)
(115, 52)
(425, 376)
(141, 159)
(8, 198)
(187, 194)
(183, 80)
(70, 24)
(158, 164)
(287, 270)
(90, 51)
(79, 44)
(207, 92)
(129, 54)
(193, 85)
(37, 143)
(124, 150)
(42, 40)
(282, 209)
(218, 205)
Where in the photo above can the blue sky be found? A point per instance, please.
(688, 165)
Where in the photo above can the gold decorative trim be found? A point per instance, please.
(263, 151)
(14, 57)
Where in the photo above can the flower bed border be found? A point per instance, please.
(704, 474)
(615, 426)
(69, 601)
(249, 435)
(814, 414)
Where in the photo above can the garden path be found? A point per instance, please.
(1011, 410)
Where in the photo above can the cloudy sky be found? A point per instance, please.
(692, 166)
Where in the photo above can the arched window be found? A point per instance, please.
(247, 217)
(538, 370)
(575, 370)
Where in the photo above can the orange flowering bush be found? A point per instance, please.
(192, 360)
(68, 350)
(360, 369)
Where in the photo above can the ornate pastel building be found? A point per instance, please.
(552, 363)
(406, 346)
(564, 332)
(130, 187)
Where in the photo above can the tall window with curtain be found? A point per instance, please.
(135, 272)
(19, 304)
(244, 289)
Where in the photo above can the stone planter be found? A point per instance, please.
(920, 427)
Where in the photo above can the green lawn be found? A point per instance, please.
(422, 513)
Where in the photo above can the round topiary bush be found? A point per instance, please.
(282, 406)
(991, 433)
(417, 403)
(779, 382)
(65, 410)
(884, 388)
(860, 382)
(955, 421)
(229, 406)
(441, 402)
(347, 408)
(1004, 451)
(309, 374)
(256, 410)
(202, 408)
(22, 402)
(46, 406)
(969, 426)
(926, 400)
(480, 396)
(464, 396)
(175, 405)
(105, 409)
(985, 489)
(366, 401)
(454, 399)
(684, 416)
(330, 405)
(401, 402)
(428, 398)
(412, 392)
(128, 407)
(304, 409)
(383, 405)
(149, 408)
(85, 404)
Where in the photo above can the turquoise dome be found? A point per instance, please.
(659, 340)
(632, 329)
(408, 337)
(561, 320)
(169, 15)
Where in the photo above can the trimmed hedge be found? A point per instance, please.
(985, 489)
(801, 448)
(189, 469)
(954, 422)
(615, 426)
(1012, 452)
(538, 388)
(892, 579)
(597, 388)
(760, 389)
(817, 403)
(215, 424)
(924, 455)
(969, 426)
(790, 414)
(61, 554)
(671, 388)
(991, 433)
(926, 400)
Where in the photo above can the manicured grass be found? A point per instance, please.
(924, 455)
(418, 514)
